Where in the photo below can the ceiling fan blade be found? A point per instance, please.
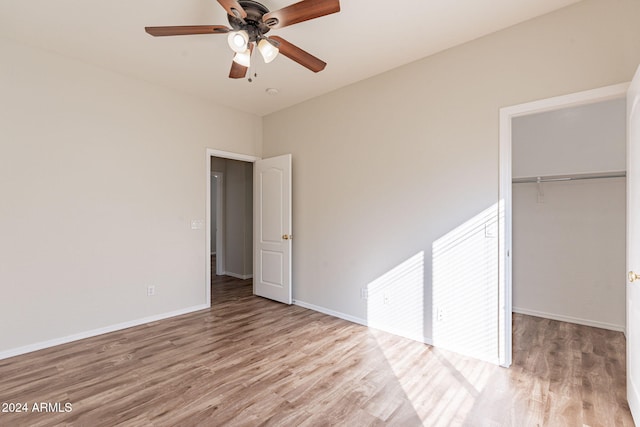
(186, 30)
(299, 12)
(300, 56)
(233, 8)
(237, 71)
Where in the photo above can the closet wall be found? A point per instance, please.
(569, 236)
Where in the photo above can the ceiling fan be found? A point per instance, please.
(250, 21)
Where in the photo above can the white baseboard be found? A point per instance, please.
(363, 322)
(329, 312)
(239, 276)
(569, 319)
(95, 332)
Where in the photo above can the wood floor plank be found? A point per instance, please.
(249, 361)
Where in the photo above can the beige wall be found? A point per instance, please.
(385, 167)
(583, 139)
(100, 177)
(569, 252)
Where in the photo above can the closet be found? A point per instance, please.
(569, 214)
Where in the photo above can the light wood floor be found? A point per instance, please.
(252, 362)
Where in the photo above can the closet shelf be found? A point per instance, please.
(570, 177)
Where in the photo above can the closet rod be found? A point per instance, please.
(571, 177)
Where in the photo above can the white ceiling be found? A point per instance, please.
(367, 37)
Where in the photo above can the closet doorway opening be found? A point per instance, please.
(539, 175)
(569, 214)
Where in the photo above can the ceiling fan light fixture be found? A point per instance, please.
(238, 40)
(243, 58)
(268, 50)
(249, 22)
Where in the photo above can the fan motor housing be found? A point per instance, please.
(252, 24)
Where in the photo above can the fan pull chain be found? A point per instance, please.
(253, 66)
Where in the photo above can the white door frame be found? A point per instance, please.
(505, 208)
(219, 221)
(225, 155)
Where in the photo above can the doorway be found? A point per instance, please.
(230, 204)
(569, 214)
(507, 115)
(271, 198)
(233, 210)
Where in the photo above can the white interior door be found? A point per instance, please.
(272, 228)
(633, 247)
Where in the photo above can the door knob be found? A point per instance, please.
(287, 237)
(633, 276)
